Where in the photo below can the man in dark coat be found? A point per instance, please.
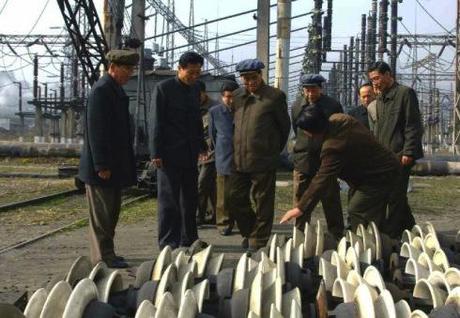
(305, 154)
(261, 131)
(351, 153)
(399, 128)
(107, 161)
(221, 133)
(176, 143)
(366, 96)
(207, 193)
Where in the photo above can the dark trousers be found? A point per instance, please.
(104, 209)
(255, 225)
(207, 189)
(332, 206)
(222, 207)
(399, 212)
(369, 203)
(177, 203)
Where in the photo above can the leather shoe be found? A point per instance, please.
(120, 258)
(116, 263)
(226, 231)
(245, 243)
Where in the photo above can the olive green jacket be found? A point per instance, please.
(351, 153)
(305, 154)
(399, 124)
(262, 127)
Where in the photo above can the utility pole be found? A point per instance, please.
(394, 35)
(138, 31)
(350, 70)
(383, 26)
(38, 109)
(21, 115)
(363, 43)
(113, 22)
(456, 114)
(263, 35)
(283, 45)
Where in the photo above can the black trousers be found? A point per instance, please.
(207, 193)
(177, 203)
(399, 212)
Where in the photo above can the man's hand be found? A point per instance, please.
(157, 163)
(406, 160)
(291, 214)
(203, 156)
(104, 174)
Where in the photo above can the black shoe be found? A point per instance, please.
(200, 221)
(245, 243)
(120, 258)
(116, 263)
(226, 231)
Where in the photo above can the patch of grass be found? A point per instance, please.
(435, 195)
(54, 211)
(18, 189)
(34, 164)
(138, 211)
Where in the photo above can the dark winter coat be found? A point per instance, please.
(399, 124)
(305, 154)
(175, 124)
(261, 128)
(108, 142)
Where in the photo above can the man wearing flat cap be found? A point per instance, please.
(261, 130)
(350, 152)
(306, 154)
(107, 161)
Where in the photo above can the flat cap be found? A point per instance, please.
(250, 65)
(122, 57)
(307, 80)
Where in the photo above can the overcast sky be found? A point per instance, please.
(43, 16)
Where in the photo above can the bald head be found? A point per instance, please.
(366, 95)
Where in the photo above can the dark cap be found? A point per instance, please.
(248, 66)
(309, 80)
(312, 120)
(122, 57)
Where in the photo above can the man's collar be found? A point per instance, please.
(390, 94)
(257, 93)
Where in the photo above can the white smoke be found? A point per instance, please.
(9, 95)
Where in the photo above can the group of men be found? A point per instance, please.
(194, 141)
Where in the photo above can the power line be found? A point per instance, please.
(3, 8)
(434, 19)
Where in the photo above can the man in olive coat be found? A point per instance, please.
(176, 144)
(398, 127)
(351, 153)
(305, 154)
(107, 160)
(261, 131)
(207, 188)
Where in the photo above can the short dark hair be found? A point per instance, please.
(380, 67)
(190, 57)
(202, 85)
(313, 120)
(229, 86)
(367, 84)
